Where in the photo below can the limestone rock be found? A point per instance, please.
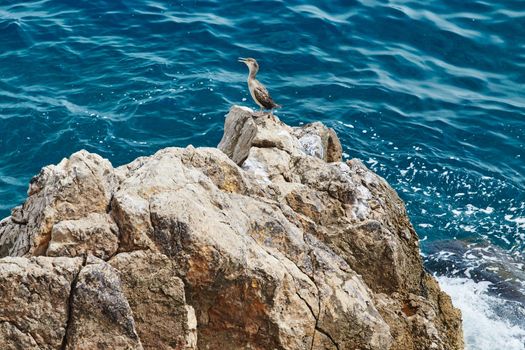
(239, 131)
(269, 242)
(95, 234)
(100, 314)
(69, 190)
(319, 141)
(245, 129)
(358, 215)
(34, 296)
(156, 297)
(252, 277)
(13, 338)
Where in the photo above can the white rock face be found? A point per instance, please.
(270, 242)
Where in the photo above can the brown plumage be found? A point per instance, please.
(259, 93)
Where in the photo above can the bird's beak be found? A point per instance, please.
(241, 59)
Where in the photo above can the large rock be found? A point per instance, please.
(251, 275)
(69, 190)
(95, 234)
(35, 297)
(359, 216)
(157, 298)
(101, 317)
(270, 242)
(243, 130)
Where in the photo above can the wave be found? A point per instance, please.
(486, 318)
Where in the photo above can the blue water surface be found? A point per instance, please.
(430, 94)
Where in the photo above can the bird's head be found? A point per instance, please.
(251, 63)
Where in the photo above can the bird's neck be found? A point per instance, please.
(252, 74)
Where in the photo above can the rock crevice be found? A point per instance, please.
(69, 312)
(270, 241)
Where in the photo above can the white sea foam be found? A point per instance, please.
(520, 221)
(483, 327)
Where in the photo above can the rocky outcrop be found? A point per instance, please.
(100, 315)
(34, 294)
(269, 242)
(156, 295)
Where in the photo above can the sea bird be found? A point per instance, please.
(259, 93)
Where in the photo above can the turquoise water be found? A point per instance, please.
(430, 94)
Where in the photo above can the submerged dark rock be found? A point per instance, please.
(269, 242)
(480, 262)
